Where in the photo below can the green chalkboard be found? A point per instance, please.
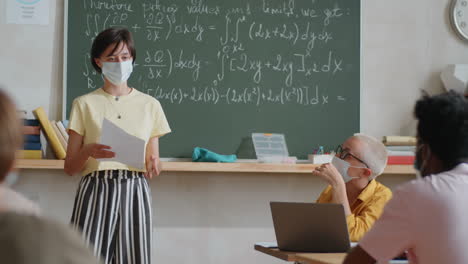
(225, 69)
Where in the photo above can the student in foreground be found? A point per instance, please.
(28, 239)
(428, 217)
(10, 142)
(351, 178)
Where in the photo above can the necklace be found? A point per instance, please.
(113, 101)
(119, 115)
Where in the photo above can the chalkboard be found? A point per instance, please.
(228, 68)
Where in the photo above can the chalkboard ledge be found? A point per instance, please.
(238, 167)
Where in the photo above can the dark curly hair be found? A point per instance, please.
(443, 125)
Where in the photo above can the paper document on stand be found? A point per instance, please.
(128, 149)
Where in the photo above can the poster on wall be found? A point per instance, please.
(33, 12)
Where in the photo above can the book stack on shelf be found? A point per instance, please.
(61, 132)
(401, 149)
(32, 147)
(55, 133)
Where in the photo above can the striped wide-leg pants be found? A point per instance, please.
(113, 211)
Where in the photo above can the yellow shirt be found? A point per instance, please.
(365, 210)
(140, 115)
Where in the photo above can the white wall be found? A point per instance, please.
(213, 218)
(405, 45)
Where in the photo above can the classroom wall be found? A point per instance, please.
(216, 218)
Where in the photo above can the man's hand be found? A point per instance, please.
(329, 173)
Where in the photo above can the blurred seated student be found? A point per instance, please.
(29, 239)
(351, 178)
(10, 142)
(427, 217)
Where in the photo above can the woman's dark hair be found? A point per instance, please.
(113, 35)
(443, 125)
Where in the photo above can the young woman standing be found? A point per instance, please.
(113, 202)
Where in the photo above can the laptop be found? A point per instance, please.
(310, 227)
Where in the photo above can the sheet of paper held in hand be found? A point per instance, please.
(128, 149)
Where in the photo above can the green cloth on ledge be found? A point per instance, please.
(204, 155)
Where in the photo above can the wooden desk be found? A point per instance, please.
(321, 258)
(274, 252)
(306, 258)
(311, 258)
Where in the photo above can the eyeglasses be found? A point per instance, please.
(343, 154)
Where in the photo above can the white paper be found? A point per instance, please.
(27, 12)
(128, 149)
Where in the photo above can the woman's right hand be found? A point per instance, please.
(78, 153)
(98, 151)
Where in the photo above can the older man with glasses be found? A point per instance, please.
(351, 178)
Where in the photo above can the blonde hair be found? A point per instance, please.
(11, 136)
(373, 153)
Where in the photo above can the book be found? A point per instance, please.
(400, 160)
(398, 144)
(400, 153)
(32, 138)
(31, 122)
(32, 146)
(62, 130)
(399, 141)
(49, 131)
(30, 154)
(401, 148)
(31, 130)
(59, 135)
(65, 124)
(47, 152)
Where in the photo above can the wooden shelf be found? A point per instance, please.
(39, 164)
(172, 166)
(237, 167)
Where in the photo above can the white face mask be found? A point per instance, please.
(11, 179)
(342, 167)
(117, 72)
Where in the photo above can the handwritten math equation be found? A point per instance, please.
(210, 53)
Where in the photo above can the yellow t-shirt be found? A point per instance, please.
(140, 115)
(365, 210)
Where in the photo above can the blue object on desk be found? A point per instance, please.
(204, 155)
